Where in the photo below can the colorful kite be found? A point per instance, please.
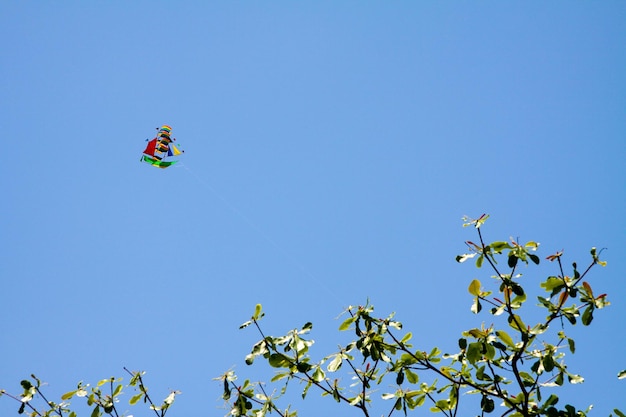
(161, 148)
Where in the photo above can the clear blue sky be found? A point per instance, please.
(331, 151)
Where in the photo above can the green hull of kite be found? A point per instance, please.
(157, 163)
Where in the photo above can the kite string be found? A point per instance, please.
(253, 226)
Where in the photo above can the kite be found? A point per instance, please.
(161, 148)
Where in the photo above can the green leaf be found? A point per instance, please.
(504, 336)
(572, 345)
(398, 404)
(490, 351)
(335, 364)
(441, 405)
(170, 398)
(411, 376)
(303, 367)
(465, 257)
(619, 413)
(480, 374)
(517, 289)
(487, 404)
(575, 379)
(395, 324)
(476, 306)
(621, 374)
(400, 377)
(532, 245)
(408, 359)
(133, 400)
(559, 379)
(587, 316)
(588, 289)
(477, 333)
(280, 375)
(434, 353)
(570, 313)
(355, 400)
(347, 323)
(499, 246)
(481, 220)
(96, 412)
(553, 284)
(68, 395)
(539, 328)
(474, 287)
(278, 360)
(496, 311)
(257, 312)
(516, 322)
(546, 303)
(318, 374)
(552, 400)
(473, 352)
(548, 363)
(463, 343)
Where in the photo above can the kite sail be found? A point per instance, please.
(160, 149)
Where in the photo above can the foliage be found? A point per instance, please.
(511, 367)
(96, 399)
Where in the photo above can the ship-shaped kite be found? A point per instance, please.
(159, 151)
